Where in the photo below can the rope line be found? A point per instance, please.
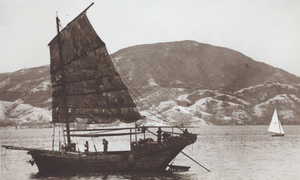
(126, 79)
(4, 159)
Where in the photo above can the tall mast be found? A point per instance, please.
(63, 76)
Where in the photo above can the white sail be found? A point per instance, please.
(275, 125)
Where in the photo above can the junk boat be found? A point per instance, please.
(88, 89)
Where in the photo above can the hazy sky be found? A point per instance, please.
(265, 30)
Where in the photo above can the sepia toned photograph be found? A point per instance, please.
(150, 89)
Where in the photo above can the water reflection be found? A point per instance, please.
(113, 176)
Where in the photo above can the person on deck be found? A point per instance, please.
(159, 135)
(185, 133)
(86, 148)
(165, 136)
(105, 146)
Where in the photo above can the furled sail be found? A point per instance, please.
(86, 86)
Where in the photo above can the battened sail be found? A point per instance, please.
(86, 86)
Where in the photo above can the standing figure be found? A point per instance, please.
(86, 148)
(159, 135)
(105, 145)
(185, 133)
(165, 136)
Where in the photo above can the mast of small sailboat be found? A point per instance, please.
(280, 127)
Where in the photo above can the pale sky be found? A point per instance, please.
(265, 30)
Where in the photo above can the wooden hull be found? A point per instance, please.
(144, 157)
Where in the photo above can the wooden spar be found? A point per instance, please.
(176, 133)
(87, 79)
(108, 129)
(130, 136)
(97, 92)
(155, 126)
(151, 132)
(21, 148)
(135, 134)
(99, 135)
(74, 19)
(195, 161)
(63, 77)
(53, 134)
(122, 128)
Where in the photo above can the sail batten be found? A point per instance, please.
(86, 86)
(86, 79)
(88, 93)
(103, 107)
(75, 58)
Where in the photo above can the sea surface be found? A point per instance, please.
(229, 152)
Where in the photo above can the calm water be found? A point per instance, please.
(229, 152)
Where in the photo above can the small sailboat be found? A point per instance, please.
(87, 89)
(275, 125)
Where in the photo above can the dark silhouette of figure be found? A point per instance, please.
(142, 141)
(70, 147)
(185, 133)
(105, 146)
(86, 148)
(144, 131)
(159, 135)
(165, 136)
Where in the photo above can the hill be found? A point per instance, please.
(188, 82)
(193, 64)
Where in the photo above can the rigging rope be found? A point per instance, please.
(132, 87)
(4, 159)
(94, 144)
(53, 134)
(151, 106)
(64, 136)
(59, 142)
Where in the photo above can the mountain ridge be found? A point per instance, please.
(209, 66)
(193, 83)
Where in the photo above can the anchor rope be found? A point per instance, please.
(2, 157)
(4, 164)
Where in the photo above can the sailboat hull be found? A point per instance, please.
(277, 135)
(145, 157)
